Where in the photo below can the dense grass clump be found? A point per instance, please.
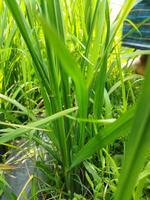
(68, 103)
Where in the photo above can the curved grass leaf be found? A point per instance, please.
(12, 134)
(138, 144)
(27, 35)
(69, 65)
(73, 70)
(119, 128)
(18, 105)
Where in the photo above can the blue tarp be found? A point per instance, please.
(138, 35)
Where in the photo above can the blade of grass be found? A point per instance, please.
(72, 69)
(119, 128)
(27, 35)
(20, 131)
(18, 105)
(138, 144)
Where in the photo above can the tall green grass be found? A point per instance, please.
(72, 47)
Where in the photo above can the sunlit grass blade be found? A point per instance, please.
(27, 35)
(92, 28)
(120, 19)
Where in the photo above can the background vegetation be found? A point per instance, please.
(65, 94)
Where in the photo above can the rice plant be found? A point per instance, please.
(64, 91)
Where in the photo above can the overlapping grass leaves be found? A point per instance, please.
(138, 144)
(61, 67)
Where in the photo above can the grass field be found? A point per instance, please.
(70, 103)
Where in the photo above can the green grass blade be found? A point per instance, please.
(18, 105)
(27, 35)
(69, 66)
(137, 146)
(72, 69)
(20, 131)
(90, 36)
(119, 128)
(120, 19)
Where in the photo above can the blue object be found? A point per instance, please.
(138, 36)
